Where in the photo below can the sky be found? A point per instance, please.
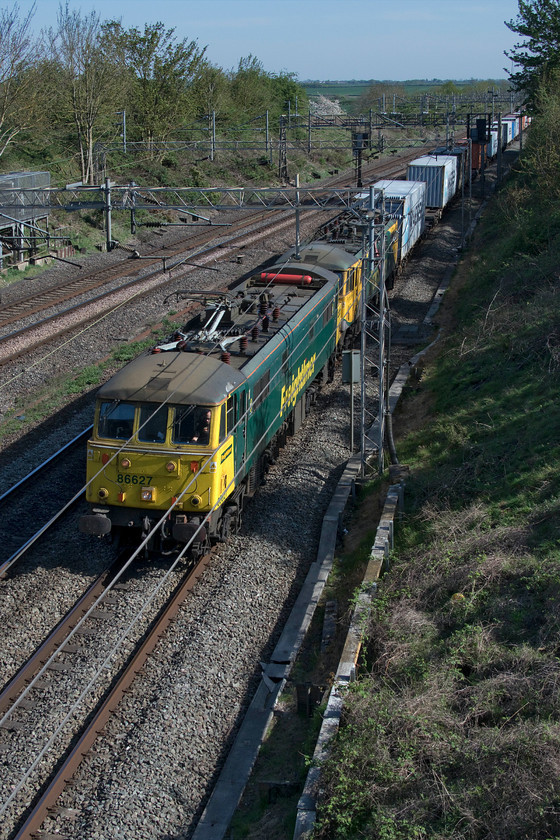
(328, 39)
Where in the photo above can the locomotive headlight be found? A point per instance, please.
(125, 463)
(171, 466)
(195, 501)
(148, 494)
(102, 492)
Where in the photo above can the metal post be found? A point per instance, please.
(358, 153)
(123, 132)
(309, 134)
(366, 271)
(282, 151)
(352, 411)
(483, 165)
(463, 203)
(19, 242)
(267, 141)
(369, 261)
(520, 131)
(109, 238)
(213, 145)
(383, 407)
(297, 254)
(133, 209)
(499, 172)
(470, 180)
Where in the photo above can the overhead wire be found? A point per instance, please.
(100, 669)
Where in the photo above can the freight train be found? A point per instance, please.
(184, 433)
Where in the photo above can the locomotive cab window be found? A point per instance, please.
(222, 423)
(116, 420)
(340, 283)
(152, 427)
(231, 413)
(192, 424)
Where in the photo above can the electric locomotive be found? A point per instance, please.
(184, 433)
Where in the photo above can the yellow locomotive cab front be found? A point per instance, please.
(144, 459)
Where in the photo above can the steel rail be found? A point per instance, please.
(47, 462)
(31, 668)
(240, 240)
(108, 705)
(6, 564)
(94, 279)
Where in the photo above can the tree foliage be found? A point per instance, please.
(541, 162)
(372, 98)
(86, 77)
(162, 69)
(16, 84)
(68, 87)
(210, 90)
(539, 22)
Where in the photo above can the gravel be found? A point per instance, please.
(152, 770)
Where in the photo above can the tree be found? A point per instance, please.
(163, 69)
(539, 22)
(210, 90)
(372, 97)
(88, 81)
(541, 161)
(285, 88)
(251, 89)
(16, 84)
(448, 88)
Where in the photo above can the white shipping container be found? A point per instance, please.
(439, 172)
(406, 201)
(492, 145)
(509, 127)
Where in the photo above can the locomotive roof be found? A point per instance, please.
(181, 378)
(326, 254)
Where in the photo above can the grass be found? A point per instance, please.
(453, 730)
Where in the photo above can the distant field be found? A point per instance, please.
(335, 90)
(345, 90)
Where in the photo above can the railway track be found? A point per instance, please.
(242, 233)
(279, 545)
(21, 532)
(15, 344)
(60, 683)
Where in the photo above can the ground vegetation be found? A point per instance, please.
(453, 729)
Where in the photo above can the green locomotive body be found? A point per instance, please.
(183, 434)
